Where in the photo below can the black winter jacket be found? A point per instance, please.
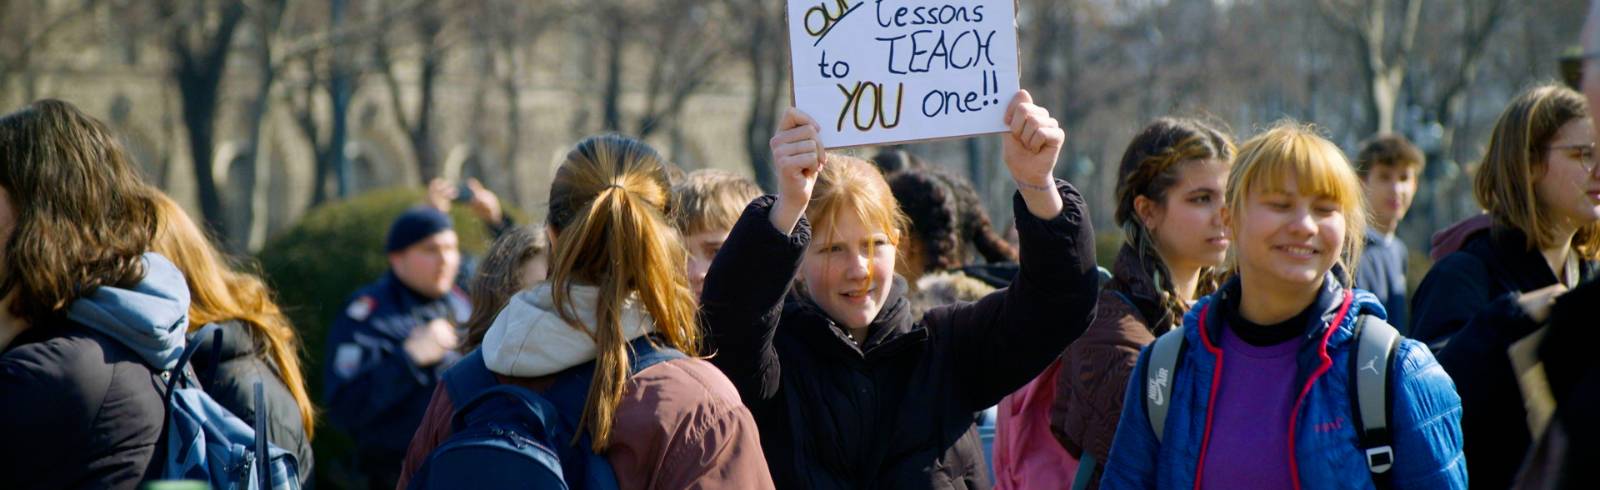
(104, 405)
(899, 412)
(242, 360)
(1466, 309)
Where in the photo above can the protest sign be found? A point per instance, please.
(887, 71)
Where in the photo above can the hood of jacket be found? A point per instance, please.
(530, 339)
(1447, 241)
(150, 317)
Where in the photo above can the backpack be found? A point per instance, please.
(206, 442)
(530, 440)
(1376, 341)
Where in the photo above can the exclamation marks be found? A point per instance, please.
(991, 87)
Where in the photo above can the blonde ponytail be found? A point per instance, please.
(608, 206)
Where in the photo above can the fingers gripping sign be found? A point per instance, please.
(1030, 147)
(797, 157)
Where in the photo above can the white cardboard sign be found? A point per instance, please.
(886, 71)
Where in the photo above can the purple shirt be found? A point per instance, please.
(1249, 445)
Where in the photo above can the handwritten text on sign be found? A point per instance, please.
(883, 71)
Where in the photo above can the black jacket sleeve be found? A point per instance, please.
(1004, 340)
(1455, 314)
(1455, 297)
(743, 298)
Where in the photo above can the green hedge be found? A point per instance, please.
(315, 265)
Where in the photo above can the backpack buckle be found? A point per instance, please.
(1379, 459)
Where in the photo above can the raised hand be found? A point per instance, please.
(797, 157)
(485, 203)
(1030, 149)
(440, 194)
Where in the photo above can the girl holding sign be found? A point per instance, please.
(1259, 390)
(849, 389)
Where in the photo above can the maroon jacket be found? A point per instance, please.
(1095, 368)
(680, 425)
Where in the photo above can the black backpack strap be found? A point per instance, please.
(263, 462)
(1159, 372)
(1371, 392)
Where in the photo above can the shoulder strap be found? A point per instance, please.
(1376, 341)
(1085, 473)
(468, 378)
(192, 345)
(1124, 298)
(570, 393)
(263, 461)
(1158, 374)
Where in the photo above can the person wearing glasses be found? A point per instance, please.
(1484, 307)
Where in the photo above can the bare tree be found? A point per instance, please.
(1365, 23)
(26, 30)
(427, 27)
(199, 36)
(764, 53)
(690, 27)
(1479, 19)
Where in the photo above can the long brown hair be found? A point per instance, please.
(218, 292)
(83, 217)
(500, 276)
(1504, 184)
(608, 207)
(1150, 167)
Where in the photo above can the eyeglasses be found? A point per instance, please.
(1583, 153)
(1572, 68)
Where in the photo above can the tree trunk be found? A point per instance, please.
(198, 73)
(611, 101)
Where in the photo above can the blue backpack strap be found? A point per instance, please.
(192, 345)
(468, 378)
(570, 393)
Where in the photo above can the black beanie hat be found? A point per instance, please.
(414, 225)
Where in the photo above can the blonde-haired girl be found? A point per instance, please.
(849, 389)
(258, 342)
(1262, 393)
(616, 291)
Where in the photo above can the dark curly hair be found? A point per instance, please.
(931, 206)
(974, 229)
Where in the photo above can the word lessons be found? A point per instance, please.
(886, 71)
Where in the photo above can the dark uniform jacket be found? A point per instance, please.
(374, 391)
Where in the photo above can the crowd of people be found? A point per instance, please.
(669, 330)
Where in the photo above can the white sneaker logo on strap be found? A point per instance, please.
(1158, 386)
(1371, 364)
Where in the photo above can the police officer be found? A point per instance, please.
(393, 339)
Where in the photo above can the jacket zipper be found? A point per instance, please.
(1211, 399)
(1322, 368)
